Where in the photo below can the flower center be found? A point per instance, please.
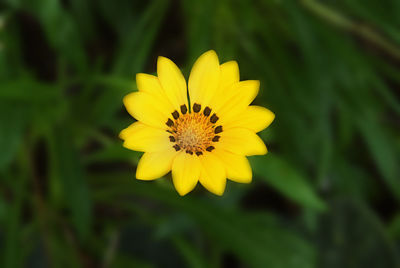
(193, 132)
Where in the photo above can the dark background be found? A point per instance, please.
(326, 195)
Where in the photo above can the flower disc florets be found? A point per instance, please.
(194, 132)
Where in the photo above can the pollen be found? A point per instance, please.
(193, 132)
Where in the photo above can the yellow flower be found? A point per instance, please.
(204, 137)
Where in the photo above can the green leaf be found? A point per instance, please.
(136, 42)
(350, 235)
(394, 227)
(256, 243)
(381, 148)
(28, 91)
(68, 181)
(190, 254)
(287, 180)
(13, 121)
(113, 153)
(199, 15)
(12, 250)
(61, 30)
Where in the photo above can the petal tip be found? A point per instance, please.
(181, 192)
(232, 63)
(142, 174)
(128, 97)
(209, 55)
(219, 193)
(272, 116)
(248, 180)
(140, 76)
(122, 135)
(265, 150)
(142, 177)
(210, 52)
(261, 148)
(252, 83)
(162, 60)
(159, 58)
(184, 189)
(256, 82)
(217, 190)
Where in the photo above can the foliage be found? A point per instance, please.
(326, 195)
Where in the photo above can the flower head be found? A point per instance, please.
(203, 135)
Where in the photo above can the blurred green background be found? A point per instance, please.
(326, 195)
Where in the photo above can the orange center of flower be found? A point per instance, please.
(194, 132)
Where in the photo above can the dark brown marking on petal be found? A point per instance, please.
(175, 114)
(199, 153)
(170, 123)
(214, 118)
(189, 152)
(183, 109)
(210, 148)
(171, 138)
(207, 111)
(216, 138)
(218, 130)
(196, 107)
(176, 147)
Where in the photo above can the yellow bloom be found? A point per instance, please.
(207, 141)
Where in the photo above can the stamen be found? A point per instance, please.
(207, 111)
(183, 109)
(175, 114)
(193, 132)
(218, 129)
(196, 107)
(216, 138)
(214, 118)
(176, 147)
(170, 123)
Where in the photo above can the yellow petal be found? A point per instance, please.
(185, 172)
(149, 84)
(145, 108)
(229, 74)
(255, 118)
(172, 81)
(235, 99)
(125, 133)
(155, 165)
(241, 141)
(140, 137)
(237, 166)
(213, 176)
(204, 78)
